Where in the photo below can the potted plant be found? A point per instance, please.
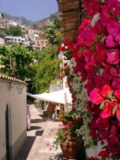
(68, 116)
(67, 138)
(79, 95)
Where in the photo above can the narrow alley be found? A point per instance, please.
(39, 142)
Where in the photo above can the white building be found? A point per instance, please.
(40, 44)
(32, 31)
(12, 116)
(11, 23)
(3, 24)
(2, 41)
(14, 39)
(17, 40)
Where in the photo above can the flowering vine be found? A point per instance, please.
(97, 56)
(97, 60)
(79, 94)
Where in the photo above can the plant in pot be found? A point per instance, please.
(68, 116)
(67, 138)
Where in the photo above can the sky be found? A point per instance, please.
(30, 9)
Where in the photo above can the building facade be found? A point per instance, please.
(40, 44)
(12, 116)
(2, 41)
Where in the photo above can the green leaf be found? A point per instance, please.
(102, 105)
(95, 142)
(103, 40)
(114, 109)
(110, 95)
(118, 17)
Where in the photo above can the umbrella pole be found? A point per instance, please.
(66, 102)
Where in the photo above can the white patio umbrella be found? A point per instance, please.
(38, 96)
(61, 96)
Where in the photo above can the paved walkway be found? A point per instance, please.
(39, 142)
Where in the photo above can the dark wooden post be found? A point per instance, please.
(69, 17)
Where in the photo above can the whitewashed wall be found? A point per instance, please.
(17, 113)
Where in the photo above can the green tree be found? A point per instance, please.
(17, 61)
(13, 31)
(47, 69)
(52, 31)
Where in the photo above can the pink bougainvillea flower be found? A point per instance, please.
(113, 130)
(106, 90)
(113, 27)
(106, 112)
(117, 38)
(105, 18)
(113, 56)
(106, 75)
(110, 41)
(113, 140)
(100, 50)
(118, 113)
(116, 83)
(108, 107)
(89, 106)
(103, 153)
(102, 123)
(89, 57)
(85, 37)
(104, 8)
(85, 23)
(68, 44)
(95, 96)
(89, 86)
(113, 72)
(91, 8)
(73, 98)
(114, 6)
(117, 93)
(77, 54)
(105, 132)
(61, 48)
(90, 37)
(99, 81)
(89, 67)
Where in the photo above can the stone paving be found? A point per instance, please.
(39, 142)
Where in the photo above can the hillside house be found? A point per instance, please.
(2, 41)
(40, 44)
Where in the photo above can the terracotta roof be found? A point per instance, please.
(4, 77)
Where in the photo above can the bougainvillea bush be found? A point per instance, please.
(97, 55)
(79, 94)
(98, 60)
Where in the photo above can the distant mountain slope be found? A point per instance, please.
(37, 25)
(22, 20)
(41, 23)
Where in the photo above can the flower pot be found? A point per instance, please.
(72, 149)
